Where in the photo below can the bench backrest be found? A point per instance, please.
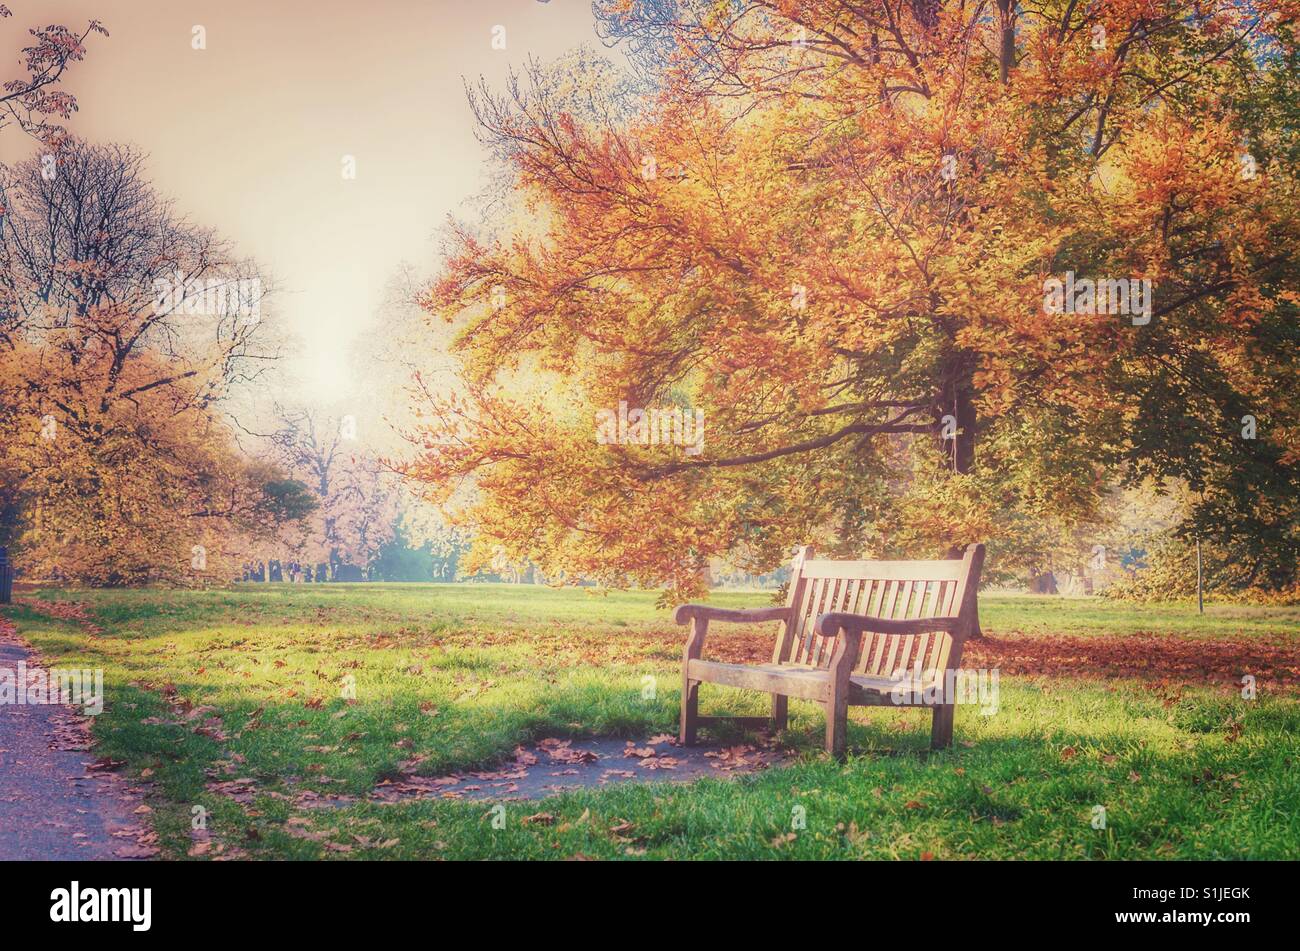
(896, 590)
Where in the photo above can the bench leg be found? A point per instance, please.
(837, 725)
(780, 711)
(690, 711)
(941, 733)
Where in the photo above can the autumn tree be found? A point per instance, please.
(122, 329)
(841, 231)
(35, 102)
(356, 502)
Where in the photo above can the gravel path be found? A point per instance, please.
(56, 800)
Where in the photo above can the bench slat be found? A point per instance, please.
(819, 586)
(948, 607)
(806, 683)
(921, 649)
(890, 604)
(807, 603)
(798, 584)
(902, 600)
(944, 570)
(891, 664)
(936, 601)
(848, 597)
(883, 610)
(850, 605)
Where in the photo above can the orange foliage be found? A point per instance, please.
(831, 231)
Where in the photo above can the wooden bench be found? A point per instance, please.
(853, 633)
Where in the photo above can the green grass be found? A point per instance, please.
(471, 604)
(459, 674)
(1032, 614)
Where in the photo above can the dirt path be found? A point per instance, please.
(554, 766)
(56, 800)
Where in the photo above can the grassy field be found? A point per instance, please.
(229, 703)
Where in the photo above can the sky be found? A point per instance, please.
(249, 135)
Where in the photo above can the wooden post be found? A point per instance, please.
(837, 706)
(941, 726)
(780, 712)
(691, 688)
(1200, 597)
(955, 552)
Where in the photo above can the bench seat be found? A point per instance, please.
(807, 683)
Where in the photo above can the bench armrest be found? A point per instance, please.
(831, 624)
(699, 616)
(703, 612)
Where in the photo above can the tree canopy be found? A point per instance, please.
(841, 232)
(118, 342)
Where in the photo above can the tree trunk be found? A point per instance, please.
(1007, 55)
(959, 403)
(963, 403)
(957, 409)
(1042, 583)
